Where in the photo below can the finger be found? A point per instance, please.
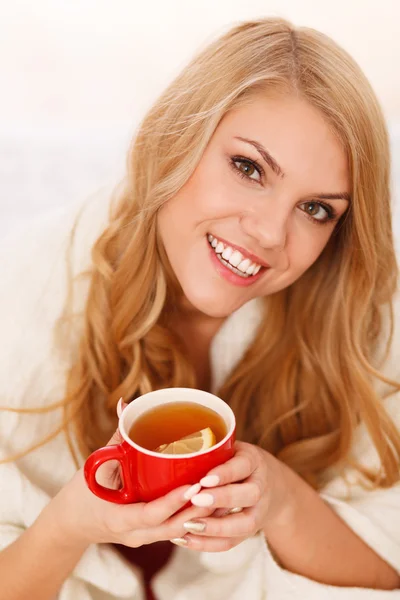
(221, 512)
(230, 496)
(238, 468)
(174, 527)
(206, 544)
(193, 512)
(152, 514)
(170, 529)
(109, 473)
(117, 437)
(238, 525)
(121, 407)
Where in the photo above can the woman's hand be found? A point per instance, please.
(83, 519)
(253, 480)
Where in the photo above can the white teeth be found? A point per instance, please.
(244, 265)
(236, 258)
(231, 268)
(233, 258)
(227, 253)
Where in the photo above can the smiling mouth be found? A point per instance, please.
(233, 259)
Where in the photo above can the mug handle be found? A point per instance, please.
(124, 495)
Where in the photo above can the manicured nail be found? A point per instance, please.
(210, 481)
(120, 407)
(194, 526)
(179, 541)
(192, 491)
(203, 500)
(235, 511)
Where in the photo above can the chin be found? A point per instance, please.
(212, 306)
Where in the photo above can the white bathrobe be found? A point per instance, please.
(33, 290)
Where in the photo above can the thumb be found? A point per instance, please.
(109, 473)
(117, 437)
(121, 407)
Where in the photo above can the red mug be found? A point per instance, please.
(148, 475)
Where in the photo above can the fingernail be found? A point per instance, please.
(179, 541)
(203, 500)
(235, 511)
(192, 491)
(120, 407)
(194, 526)
(210, 481)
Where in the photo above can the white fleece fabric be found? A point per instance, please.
(32, 374)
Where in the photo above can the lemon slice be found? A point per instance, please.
(195, 442)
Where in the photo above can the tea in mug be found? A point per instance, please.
(174, 421)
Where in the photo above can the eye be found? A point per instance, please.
(318, 212)
(246, 168)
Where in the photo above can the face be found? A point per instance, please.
(260, 206)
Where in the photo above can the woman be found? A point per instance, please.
(250, 253)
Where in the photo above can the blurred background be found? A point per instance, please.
(77, 76)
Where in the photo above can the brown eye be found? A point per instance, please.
(246, 168)
(318, 212)
(313, 208)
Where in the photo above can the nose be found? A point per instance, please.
(267, 225)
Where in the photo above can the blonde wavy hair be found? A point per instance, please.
(307, 379)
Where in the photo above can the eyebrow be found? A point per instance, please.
(338, 196)
(278, 171)
(265, 154)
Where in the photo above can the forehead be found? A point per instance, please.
(297, 136)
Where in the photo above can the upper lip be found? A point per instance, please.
(245, 253)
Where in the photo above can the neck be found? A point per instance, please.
(187, 311)
(186, 316)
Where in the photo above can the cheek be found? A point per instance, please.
(213, 193)
(304, 249)
(213, 202)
